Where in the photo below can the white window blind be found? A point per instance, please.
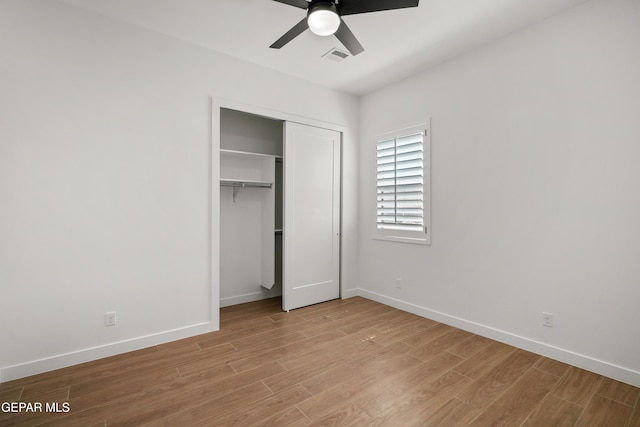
(400, 183)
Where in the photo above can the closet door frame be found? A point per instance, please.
(214, 179)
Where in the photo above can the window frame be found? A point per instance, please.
(422, 237)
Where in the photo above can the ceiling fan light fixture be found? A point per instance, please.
(323, 19)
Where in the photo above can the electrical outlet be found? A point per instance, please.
(547, 320)
(398, 283)
(110, 318)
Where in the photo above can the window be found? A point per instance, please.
(402, 183)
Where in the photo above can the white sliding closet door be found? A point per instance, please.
(311, 270)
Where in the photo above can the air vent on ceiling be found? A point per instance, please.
(336, 55)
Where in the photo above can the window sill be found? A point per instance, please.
(425, 240)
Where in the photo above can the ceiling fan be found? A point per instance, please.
(324, 18)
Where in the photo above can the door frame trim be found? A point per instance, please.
(214, 190)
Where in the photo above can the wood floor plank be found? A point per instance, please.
(410, 330)
(250, 361)
(406, 384)
(491, 385)
(336, 309)
(309, 364)
(53, 396)
(144, 362)
(292, 417)
(485, 360)
(519, 401)
(423, 403)
(249, 358)
(158, 362)
(134, 398)
(347, 415)
(452, 413)
(577, 386)
(440, 344)
(87, 395)
(402, 321)
(182, 342)
(360, 316)
(205, 368)
(267, 340)
(340, 347)
(348, 362)
(185, 395)
(391, 320)
(207, 408)
(620, 392)
(601, 411)
(352, 370)
(298, 323)
(81, 418)
(234, 332)
(423, 337)
(248, 310)
(554, 412)
(259, 410)
(635, 417)
(377, 318)
(552, 366)
(11, 394)
(333, 307)
(346, 393)
(470, 346)
(30, 418)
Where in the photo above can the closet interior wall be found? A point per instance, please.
(250, 209)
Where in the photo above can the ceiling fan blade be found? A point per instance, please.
(352, 7)
(291, 34)
(347, 38)
(302, 4)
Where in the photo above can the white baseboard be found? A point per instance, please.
(349, 293)
(241, 299)
(607, 369)
(26, 369)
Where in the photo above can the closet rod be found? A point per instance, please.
(246, 184)
(237, 185)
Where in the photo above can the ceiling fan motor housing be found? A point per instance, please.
(323, 17)
(322, 3)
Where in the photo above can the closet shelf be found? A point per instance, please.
(249, 154)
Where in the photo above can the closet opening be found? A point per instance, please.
(251, 207)
(279, 205)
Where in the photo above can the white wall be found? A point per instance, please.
(105, 134)
(535, 190)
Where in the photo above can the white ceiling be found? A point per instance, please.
(397, 43)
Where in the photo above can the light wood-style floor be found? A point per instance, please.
(351, 362)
